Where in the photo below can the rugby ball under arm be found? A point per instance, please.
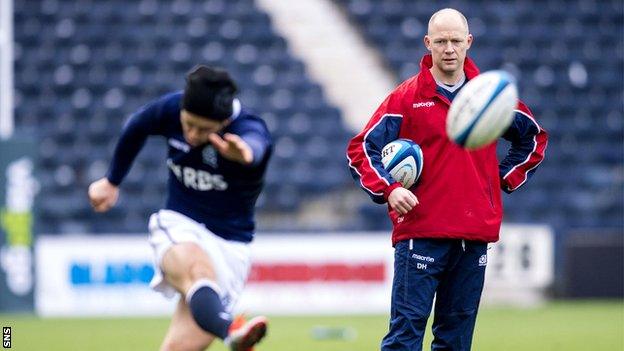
(403, 159)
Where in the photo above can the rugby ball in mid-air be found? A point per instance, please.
(403, 159)
(482, 110)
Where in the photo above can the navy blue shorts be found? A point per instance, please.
(451, 270)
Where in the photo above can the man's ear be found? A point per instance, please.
(469, 40)
(427, 41)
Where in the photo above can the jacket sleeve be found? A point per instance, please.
(257, 136)
(364, 150)
(528, 145)
(149, 120)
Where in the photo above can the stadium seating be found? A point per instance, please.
(82, 67)
(568, 56)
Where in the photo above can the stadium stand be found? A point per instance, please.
(81, 67)
(568, 58)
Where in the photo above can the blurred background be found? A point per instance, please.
(72, 71)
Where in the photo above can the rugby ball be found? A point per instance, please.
(482, 110)
(403, 159)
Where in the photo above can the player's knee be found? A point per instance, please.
(196, 263)
(179, 256)
(189, 251)
(200, 269)
(184, 264)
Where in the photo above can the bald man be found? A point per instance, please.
(442, 225)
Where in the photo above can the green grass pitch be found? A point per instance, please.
(565, 326)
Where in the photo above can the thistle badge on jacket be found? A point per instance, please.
(209, 155)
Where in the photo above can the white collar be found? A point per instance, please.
(453, 87)
(236, 109)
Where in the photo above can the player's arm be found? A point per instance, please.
(104, 192)
(364, 155)
(528, 145)
(248, 147)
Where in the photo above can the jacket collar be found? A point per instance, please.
(426, 80)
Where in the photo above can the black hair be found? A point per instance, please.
(209, 93)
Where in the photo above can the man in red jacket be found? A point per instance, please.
(441, 227)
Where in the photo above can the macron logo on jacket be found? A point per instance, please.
(423, 104)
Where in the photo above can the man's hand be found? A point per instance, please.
(232, 147)
(103, 195)
(402, 200)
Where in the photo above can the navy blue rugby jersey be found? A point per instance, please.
(202, 184)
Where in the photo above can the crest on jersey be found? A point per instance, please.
(209, 155)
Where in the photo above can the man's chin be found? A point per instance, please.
(194, 143)
(450, 67)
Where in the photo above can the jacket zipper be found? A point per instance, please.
(490, 193)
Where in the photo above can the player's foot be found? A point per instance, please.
(244, 335)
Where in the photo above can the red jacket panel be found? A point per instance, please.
(458, 189)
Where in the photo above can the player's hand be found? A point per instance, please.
(232, 147)
(402, 200)
(103, 195)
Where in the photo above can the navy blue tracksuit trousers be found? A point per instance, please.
(453, 271)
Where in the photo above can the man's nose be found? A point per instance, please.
(192, 133)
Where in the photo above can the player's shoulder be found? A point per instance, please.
(162, 106)
(170, 102)
(404, 93)
(160, 113)
(248, 119)
(166, 109)
(408, 87)
(411, 84)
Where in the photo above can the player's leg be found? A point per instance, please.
(458, 297)
(184, 334)
(417, 266)
(189, 270)
(208, 271)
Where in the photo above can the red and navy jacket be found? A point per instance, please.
(458, 189)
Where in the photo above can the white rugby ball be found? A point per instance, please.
(482, 110)
(403, 159)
